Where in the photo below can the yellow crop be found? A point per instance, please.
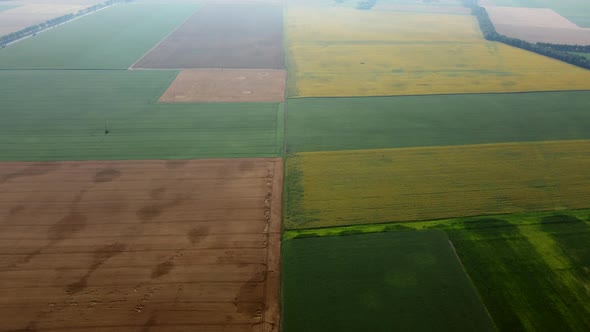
(372, 186)
(366, 53)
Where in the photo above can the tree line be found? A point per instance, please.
(555, 51)
(34, 29)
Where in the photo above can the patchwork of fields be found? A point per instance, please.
(142, 179)
(531, 270)
(64, 115)
(113, 38)
(398, 53)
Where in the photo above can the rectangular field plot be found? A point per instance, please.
(113, 38)
(244, 36)
(373, 186)
(575, 10)
(530, 269)
(537, 25)
(408, 281)
(97, 115)
(135, 245)
(340, 52)
(227, 85)
(326, 124)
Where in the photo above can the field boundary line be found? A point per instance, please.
(163, 39)
(472, 284)
(271, 316)
(442, 94)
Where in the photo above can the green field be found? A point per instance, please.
(113, 38)
(577, 11)
(532, 270)
(409, 281)
(327, 124)
(61, 115)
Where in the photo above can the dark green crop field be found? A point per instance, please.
(113, 38)
(65, 115)
(410, 281)
(326, 124)
(532, 270)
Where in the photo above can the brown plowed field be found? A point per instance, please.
(140, 245)
(227, 85)
(244, 36)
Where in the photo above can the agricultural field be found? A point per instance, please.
(537, 25)
(388, 185)
(98, 115)
(378, 282)
(113, 38)
(227, 85)
(327, 124)
(530, 269)
(238, 36)
(130, 245)
(416, 54)
(17, 15)
(575, 10)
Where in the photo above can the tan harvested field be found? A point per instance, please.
(537, 25)
(237, 35)
(227, 85)
(34, 12)
(140, 245)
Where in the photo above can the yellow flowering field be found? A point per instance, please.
(389, 185)
(342, 52)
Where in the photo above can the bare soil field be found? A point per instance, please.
(227, 85)
(243, 36)
(140, 245)
(537, 25)
(30, 13)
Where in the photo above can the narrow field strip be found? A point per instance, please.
(373, 186)
(327, 124)
(132, 259)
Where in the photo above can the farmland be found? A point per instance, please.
(574, 10)
(326, 124)
(125, 245)
(113, 38)
(537, 25)
(226, 85)
(65, 115)
(223, 36)
(372, 186)
(530, 269)
(15, 16)
(424, 54)
(377, 282)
